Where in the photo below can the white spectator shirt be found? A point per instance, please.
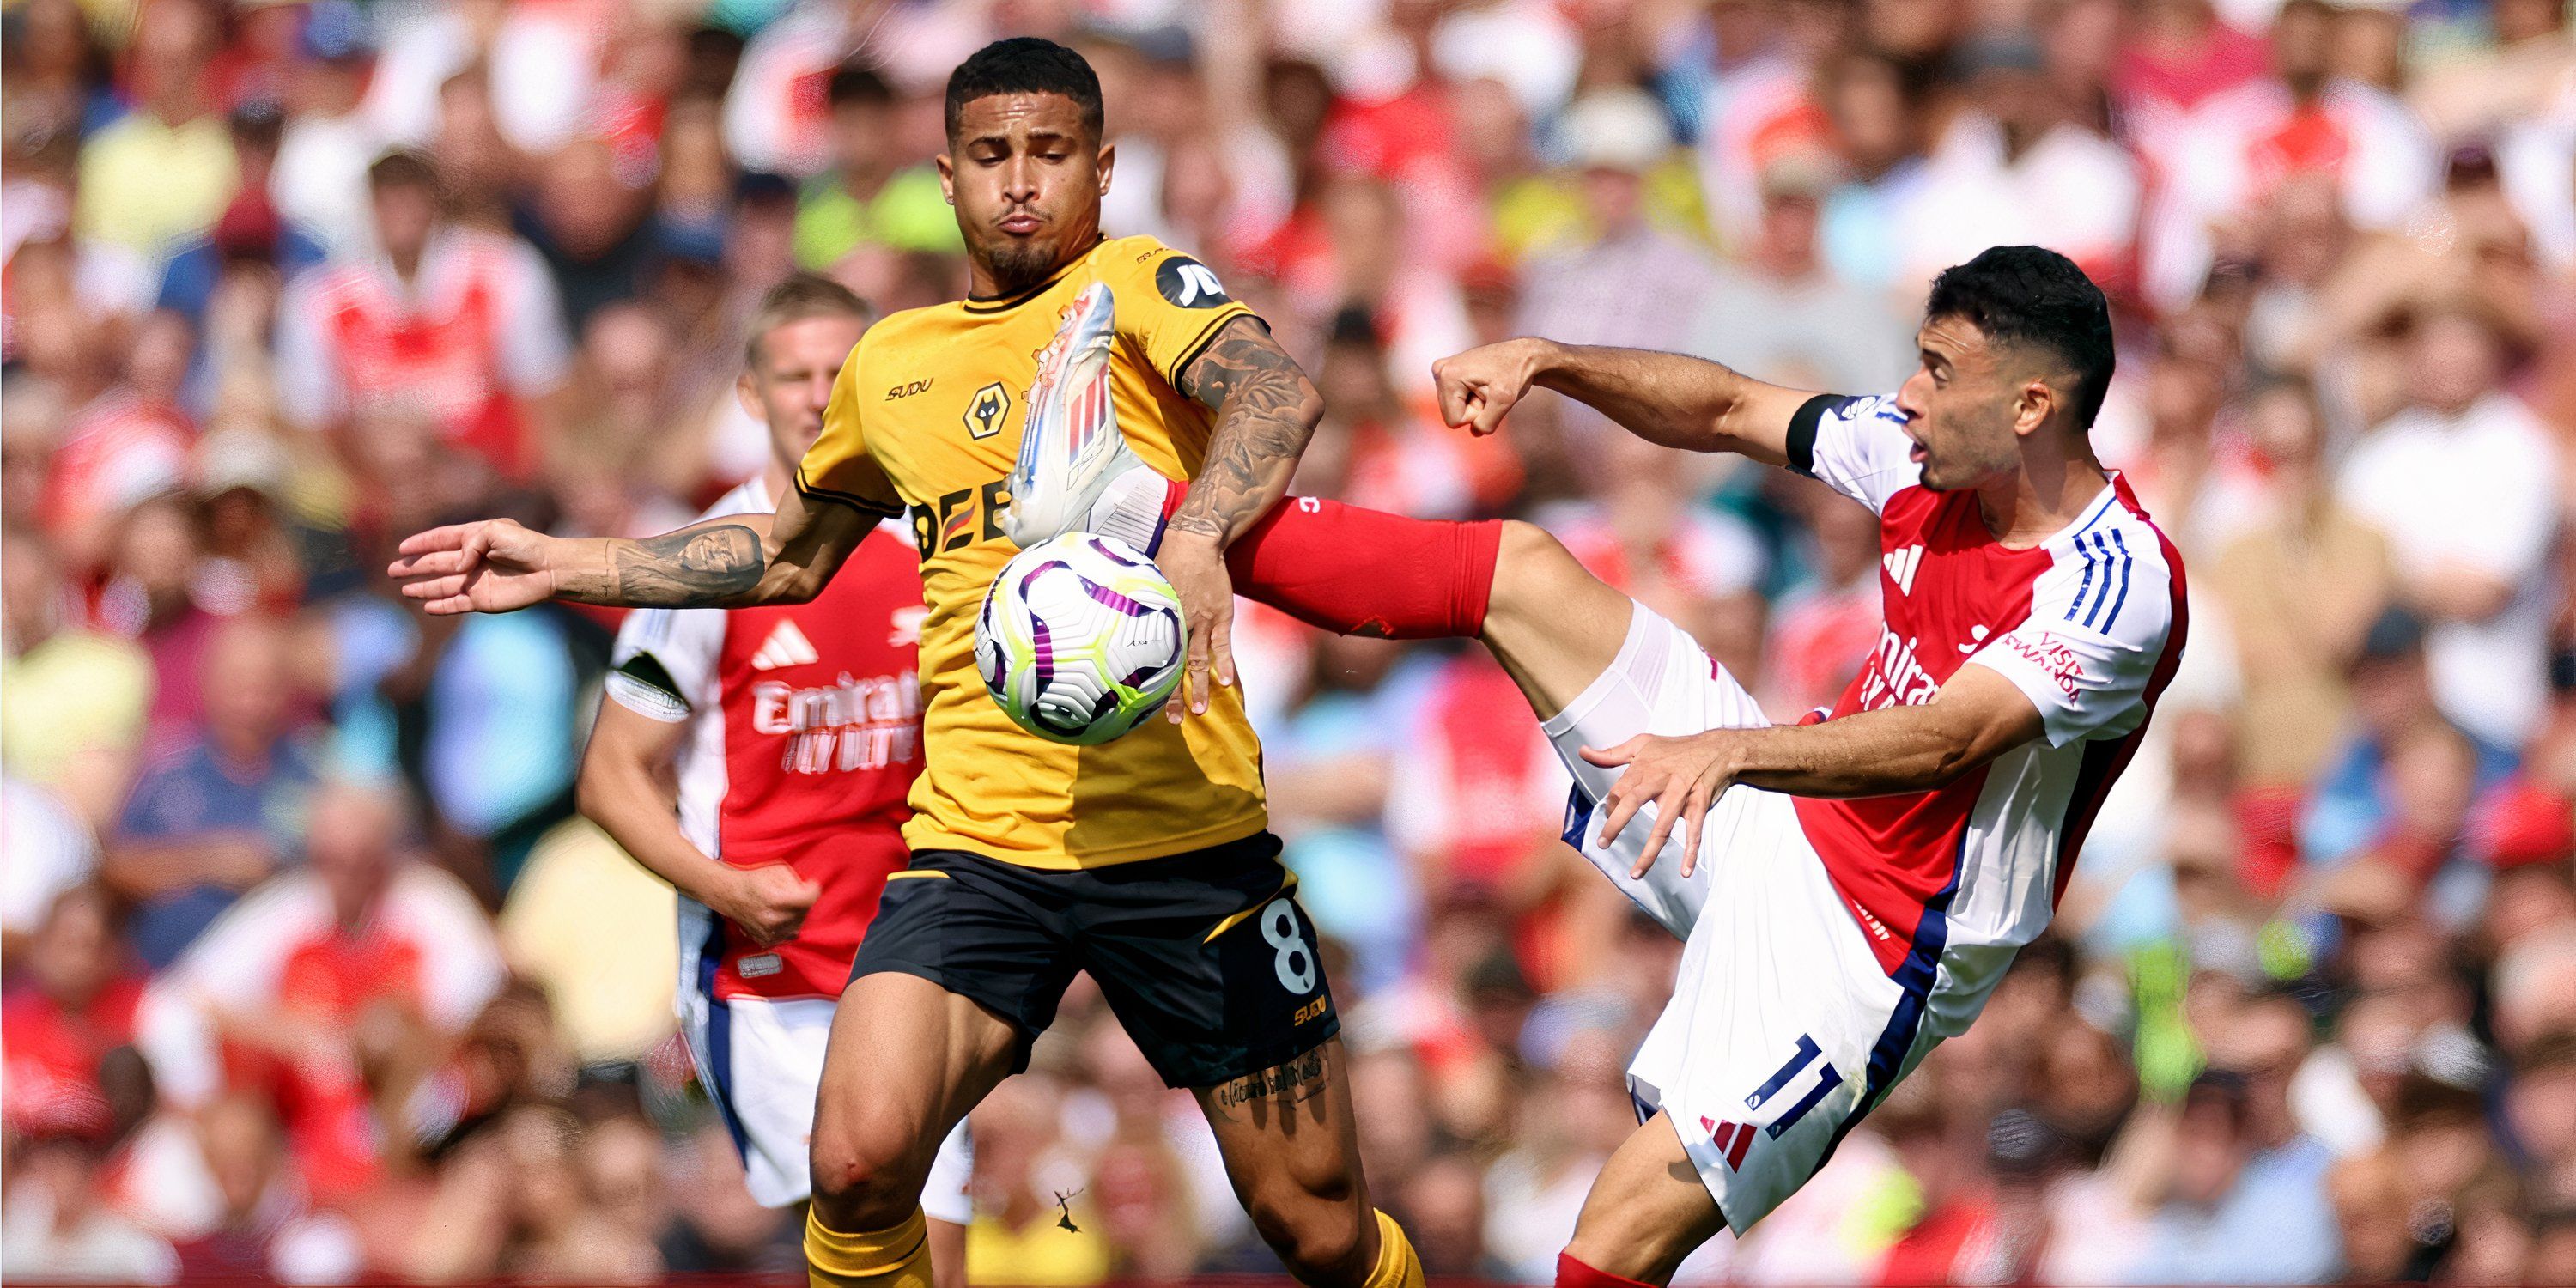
(2477, 489)
(45, 849)
(2072, 191)
(2236, 146)
(2088, 625)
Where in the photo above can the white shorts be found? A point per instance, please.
(762, 1063)
(1782, 1022)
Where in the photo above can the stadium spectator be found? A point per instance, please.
(77, 698)
(363, 958)
(165, 169)
(223, 810)
(869, 196)
(1626, 282)
(456, 324)
(1780, 313)
(2465, 484)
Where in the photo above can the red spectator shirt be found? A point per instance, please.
(478, 327)
(52, 1057)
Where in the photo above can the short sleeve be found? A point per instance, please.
(1169, 305)
(836, 468)
(664, 663)
(2099, 623)
(1856, 446)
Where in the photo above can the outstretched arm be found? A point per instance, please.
(1664, 398)
(496, 565)
(1266, 409)
(1977, 716)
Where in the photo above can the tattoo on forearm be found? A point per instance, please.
(688, 569)
(1293, 1083)
(1265, 412)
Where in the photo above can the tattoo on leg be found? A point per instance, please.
(687, 569)
(1293, 1083)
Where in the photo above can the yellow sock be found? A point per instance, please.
(896, 1258)
(1397, 1266)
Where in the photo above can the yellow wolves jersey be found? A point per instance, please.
(932, 396)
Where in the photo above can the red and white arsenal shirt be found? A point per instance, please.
(479, 326)
(804, 738)
(2088, 624)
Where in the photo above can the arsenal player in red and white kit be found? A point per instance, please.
(795, 733)
(1870, 873)
(1850, 889)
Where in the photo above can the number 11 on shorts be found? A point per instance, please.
(1826, 1081)
(1735, 1139)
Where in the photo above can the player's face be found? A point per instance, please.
(1026, 176)
(799, 360)
(1962, 407)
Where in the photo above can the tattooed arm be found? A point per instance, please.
(496, 565)
(1265, 411)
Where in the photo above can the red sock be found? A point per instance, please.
(1365, 572)
(1571, 1273)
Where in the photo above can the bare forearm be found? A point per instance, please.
(1873, 753)
(714, 565)
(626, 802)
(1665, 398)
(1266, 410)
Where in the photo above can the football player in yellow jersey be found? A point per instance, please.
(1144, 861)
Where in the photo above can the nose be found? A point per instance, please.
(818, 391)
(1020, 181)
(1910, 395)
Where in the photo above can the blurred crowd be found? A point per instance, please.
(311, 972)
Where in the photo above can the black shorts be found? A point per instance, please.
(1205, 957)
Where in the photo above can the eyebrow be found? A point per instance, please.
(1003, 138)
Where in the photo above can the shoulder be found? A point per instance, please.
(2114, 575)
(1175, 274)
(900, 327)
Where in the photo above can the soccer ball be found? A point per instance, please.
(1080, 639)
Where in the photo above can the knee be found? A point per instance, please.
(1531, 569)
(863, 1176)
(1320, 1240)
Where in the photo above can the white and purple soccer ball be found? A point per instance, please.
(1080, 639)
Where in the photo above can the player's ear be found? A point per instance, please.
(947, 177)
(746, 391)
(2037, 402)
(1108, 158)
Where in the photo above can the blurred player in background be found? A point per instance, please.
(1145, 862)
(758, 760)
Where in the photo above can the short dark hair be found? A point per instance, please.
(2032, 295)
(801, 296)
(1026, 65)
(855, 84)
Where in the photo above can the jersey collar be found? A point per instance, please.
(1005, 303)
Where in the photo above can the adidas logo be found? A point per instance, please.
(1900, 565)
(786, 646)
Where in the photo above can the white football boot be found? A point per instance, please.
(1076, 472)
